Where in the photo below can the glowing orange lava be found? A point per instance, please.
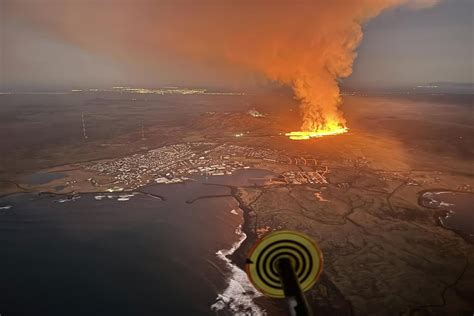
(305, 135)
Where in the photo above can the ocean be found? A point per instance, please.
(138, 255)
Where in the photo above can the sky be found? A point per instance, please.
(401, 46)
(418, 47)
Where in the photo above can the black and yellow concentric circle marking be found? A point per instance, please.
(302, 251)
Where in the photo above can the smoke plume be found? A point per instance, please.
(308, 45)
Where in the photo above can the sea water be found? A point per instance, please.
(143, 256)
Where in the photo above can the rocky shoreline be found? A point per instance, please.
(324, 298)
(443, 210)
(376, 236)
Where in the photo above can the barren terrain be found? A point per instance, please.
(383, 252)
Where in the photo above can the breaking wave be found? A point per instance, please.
(238, 297)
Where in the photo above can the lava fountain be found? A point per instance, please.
(314, 129)
(320, 98)
(305, 135)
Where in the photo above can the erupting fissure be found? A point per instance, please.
(320, 110)
(313, 128)
(305, 135)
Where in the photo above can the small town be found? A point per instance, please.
(177, 163)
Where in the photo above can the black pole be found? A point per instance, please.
(291, 287)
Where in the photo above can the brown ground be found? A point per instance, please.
(384, 254)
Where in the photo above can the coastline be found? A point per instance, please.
(240, 255)
(239, 296)
(239, 293)
(325, 297)
(443, 211)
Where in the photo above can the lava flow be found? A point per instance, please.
(312, 129)
(305, 135)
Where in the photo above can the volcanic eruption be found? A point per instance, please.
(308, 45)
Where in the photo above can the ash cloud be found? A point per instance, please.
(308, 45)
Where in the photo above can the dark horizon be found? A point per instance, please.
(420, 88)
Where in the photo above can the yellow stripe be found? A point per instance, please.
(282, 237)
